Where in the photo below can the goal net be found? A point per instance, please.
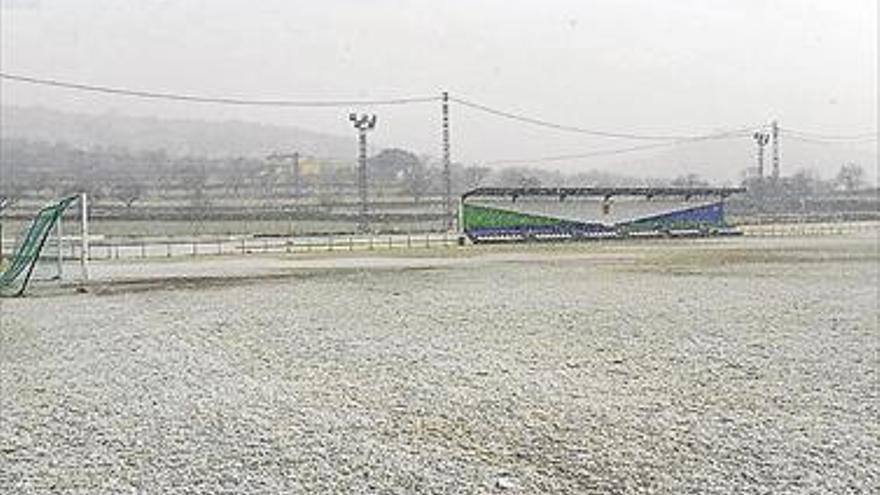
(42, 250)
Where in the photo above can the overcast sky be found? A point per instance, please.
(643, 66)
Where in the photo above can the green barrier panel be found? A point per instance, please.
(476, 217)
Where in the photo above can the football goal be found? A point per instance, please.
(47, 247)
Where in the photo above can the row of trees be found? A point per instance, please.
(125, 177)
(38, 169)
(850, 177)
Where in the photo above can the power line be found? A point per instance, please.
(564, 127)
(832, 142)
(815, 136)
(558, 158)
(806, 136)
(209, 99)
(620, 151)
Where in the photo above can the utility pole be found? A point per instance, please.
(362, 123)
(775, 133)
(447, 166)
(761, 139)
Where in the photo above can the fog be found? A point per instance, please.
(217, 277)
(638, 66)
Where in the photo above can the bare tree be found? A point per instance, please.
(193, 179)
(237, 176)
(689, 180)
(518, 177)
(474, 175)
(390, 164)
(851, 177)
(417, 180)
(128, 191)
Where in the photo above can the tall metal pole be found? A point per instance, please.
(84, 237)
(761, 139)
(362, 179)
(59, 233)
(775, 134)
(447, 172)
(362, 123)
(461, 216)
(760, 160)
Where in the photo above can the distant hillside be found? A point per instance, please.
(721, 161)
(175, 137)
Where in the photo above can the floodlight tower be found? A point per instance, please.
(761, 139)
(774, 131)
(362, 123)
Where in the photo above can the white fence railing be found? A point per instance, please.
(105, 249)
(809, 229)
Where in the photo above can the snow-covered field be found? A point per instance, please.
(740, 365)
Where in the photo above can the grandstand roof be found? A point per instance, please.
(602, 191)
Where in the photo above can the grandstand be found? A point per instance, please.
(498, 214)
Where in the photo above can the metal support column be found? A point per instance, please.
(362, 123)
(84, 237)
(363, 224)
(447, 166)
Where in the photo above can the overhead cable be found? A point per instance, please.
(192, 98)
(619, 151)
(565, 127)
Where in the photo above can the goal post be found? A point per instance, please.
(39, 251)
(84, 237)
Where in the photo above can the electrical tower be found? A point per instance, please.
(362, 123)
(447, 166)
(761, 139)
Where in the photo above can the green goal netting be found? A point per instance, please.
(36, 257)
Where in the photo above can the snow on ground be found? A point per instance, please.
(705, 366)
